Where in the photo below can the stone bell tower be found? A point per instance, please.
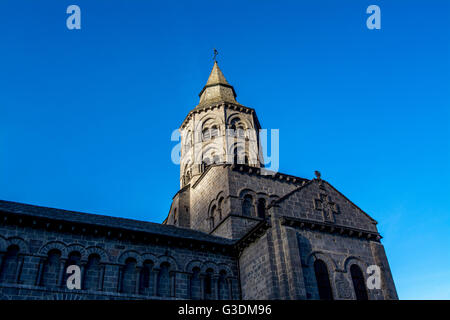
(216, 136)
(218, 130)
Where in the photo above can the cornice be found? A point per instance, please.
(207, 107)
(330, 228)
(117, 233)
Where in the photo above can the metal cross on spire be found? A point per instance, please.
(215, 54)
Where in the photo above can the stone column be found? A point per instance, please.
(19, 268)
(202, 287)
(155, 281)
(101, 277)
(173, 284)
(40, 271)
(62, 273)
(229, 282)
(214, 287)
(82, 273)
(138, 278)
(119, 278)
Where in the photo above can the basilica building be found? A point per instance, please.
(235, 230)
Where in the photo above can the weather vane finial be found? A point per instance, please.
(318, 175)
(215, 54)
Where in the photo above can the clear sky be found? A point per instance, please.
(86, 115)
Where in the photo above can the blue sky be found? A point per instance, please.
(86, 115)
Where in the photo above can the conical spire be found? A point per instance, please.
(217, 88)
(216, 76)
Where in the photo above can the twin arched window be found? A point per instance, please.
(210, 133)
(324, 285)
(213, 287)
(149, 281)
(248, 209)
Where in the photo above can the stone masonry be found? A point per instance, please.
(234, 230)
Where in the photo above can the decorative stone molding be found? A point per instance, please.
(330, 228)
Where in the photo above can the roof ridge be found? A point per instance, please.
(107, 221)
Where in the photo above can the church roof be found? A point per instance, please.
(96, 220)
(216, 76)
(217, 88)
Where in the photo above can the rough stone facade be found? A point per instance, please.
(234, 230)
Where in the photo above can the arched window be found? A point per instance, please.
(92, 273)
(216, 159)
(74, 258)
(240, 156)
(358, 283)
(247, 206)
(50, 272)
(9, 266)
(205, 163)
(195, 284)
(220, 208)
(206, 133)
(208, 284)
(164, 280)
(235, 156)
(240, 132)
(261, 208)
(129, 276)
(223, 290)
(146, 284)
(214, 131)
(175, 218)
(211, 217)
(323, 280)
(188, 140)
(187, 177)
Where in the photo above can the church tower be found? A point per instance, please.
(218, 130)
(216, 136)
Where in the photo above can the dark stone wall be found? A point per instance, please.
(333, 234)
(257, 270)
(272, 257)
(33, 263)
